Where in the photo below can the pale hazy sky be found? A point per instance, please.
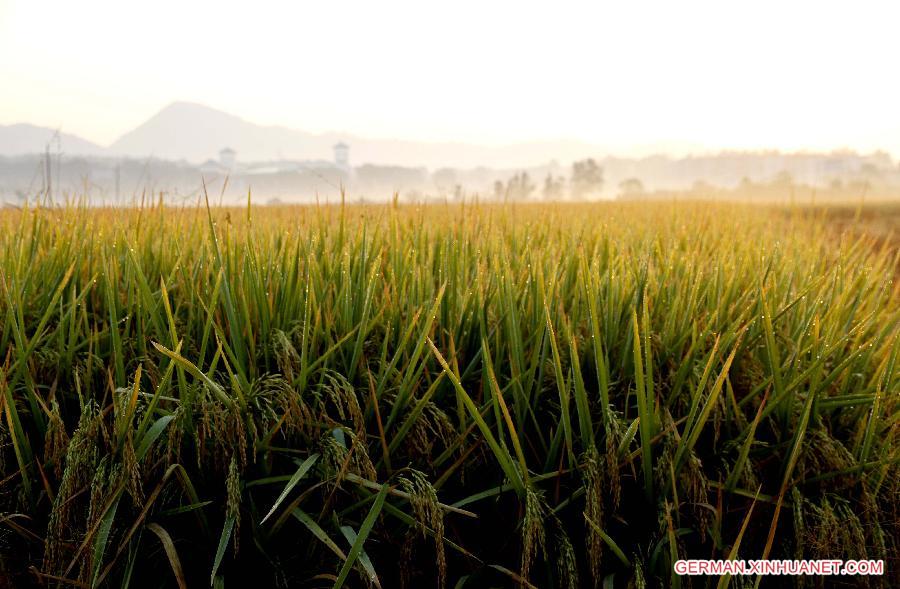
(625, 75)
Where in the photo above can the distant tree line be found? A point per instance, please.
(586, 181)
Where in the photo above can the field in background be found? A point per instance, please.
(447, 395)
(880, 220)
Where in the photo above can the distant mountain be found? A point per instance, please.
(23, 139)
(196, 133)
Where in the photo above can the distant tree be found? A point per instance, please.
(587, 179)
(871, 172)
(499, 190)
(413, 196)
(631, 188)
(783, 179)
(519, 187)
(445, 179)
(526, 187)
(702, 189)
(553, 187)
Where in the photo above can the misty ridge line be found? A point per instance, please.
(194, 132)
(186, 143)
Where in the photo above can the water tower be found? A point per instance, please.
(227, 158)
(342, 155)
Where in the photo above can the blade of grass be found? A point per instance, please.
(361, 536)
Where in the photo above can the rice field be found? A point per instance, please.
(453, 396)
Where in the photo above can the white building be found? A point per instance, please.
(227, 158)
(342, 155)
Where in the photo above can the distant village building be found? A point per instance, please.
(228, 158)
(342, 155)
(211, 168)
(223, 166)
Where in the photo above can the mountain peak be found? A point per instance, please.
(196, 133)
(186, 130)
(191, 113)
(180, 107)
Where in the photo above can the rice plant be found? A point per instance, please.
(466, 395)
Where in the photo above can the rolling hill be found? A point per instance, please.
(196, 133)
(22, 138)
